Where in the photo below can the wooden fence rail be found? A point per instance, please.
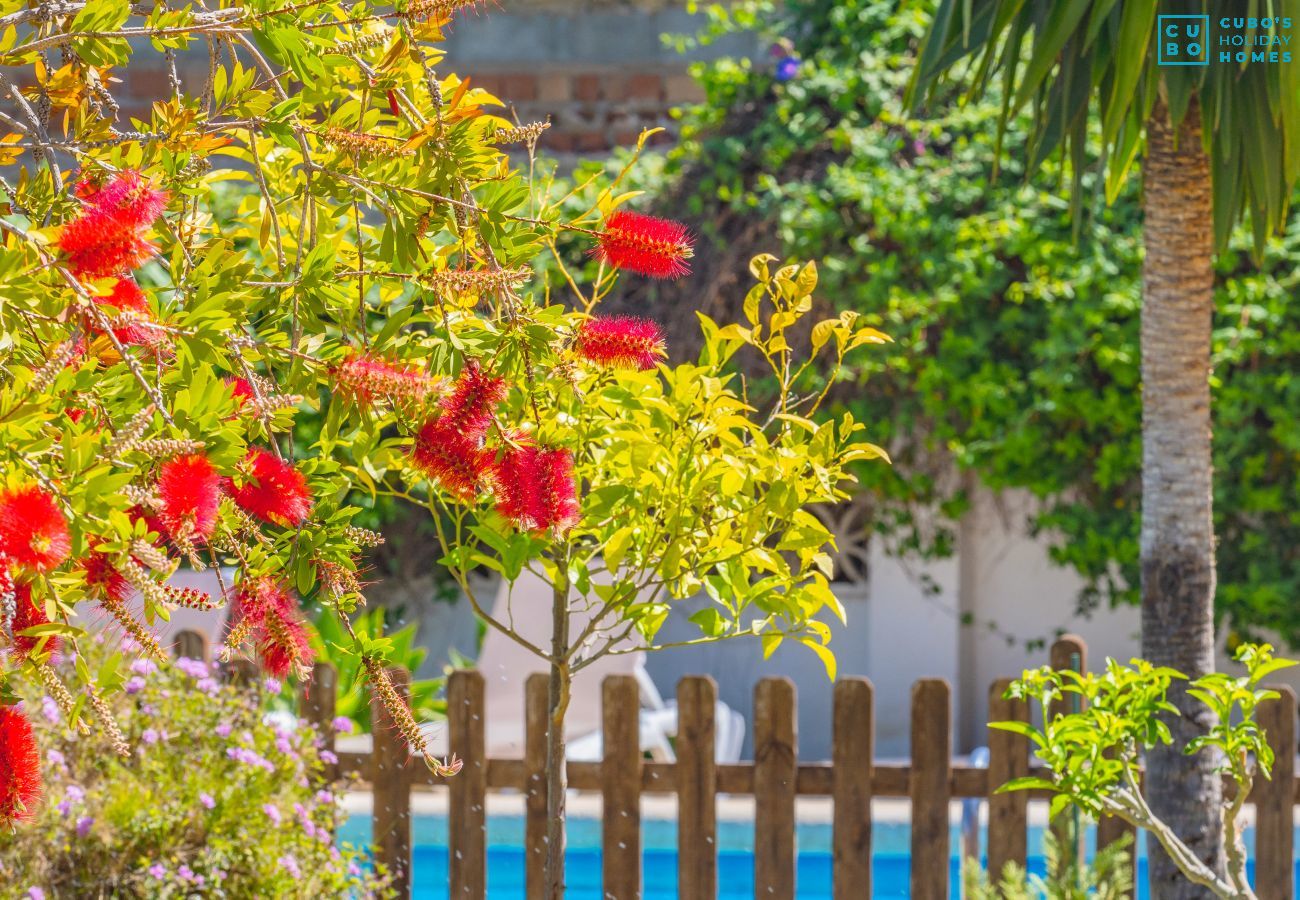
(775, 778)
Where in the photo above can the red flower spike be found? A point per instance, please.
(452, 457)
(189, 492)
(276, 624)
(33, 532)
(129, 199)
(107, 238)
(103, 578)
(126, 297)
(274, 490)
(29, 614)
(367, 379)
(535, 489)
(622, 342)
(639, 243)
(473, 398)
(20, 768)
(242, 389)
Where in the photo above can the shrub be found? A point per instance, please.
(1016, 323)
(251, 816)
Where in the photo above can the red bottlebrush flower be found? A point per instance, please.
(130, 199)
(103, 578)
(269, 614)
(242, 388)
(20, 768)
(107, 238)
(97, 247)
(451, 456)
(130, 301)
(29, 614)
(189, 492)
(366, 379)
(33, 532)
(624, 342)
(273, 490)
(473, 398)
(639, 243)
(534, 487)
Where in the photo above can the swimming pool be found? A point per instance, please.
(505, 858)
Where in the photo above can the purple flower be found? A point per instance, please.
(272, 812)
(143, 666)
(283, 745)
(291, 865)
(207, 801)
(324, 798)
(134, 685)
(223, 730)
(158, 870)
(788, 69)
(208, 686)
(83, 826)
(329, 758)
(149, 736)
(272, 685)
(918, 147)
(49, 709)
(185, 873)
(35, 893)
(195, 668)
(342, 725)
(354, 870)
(249, 758)
(56, 758)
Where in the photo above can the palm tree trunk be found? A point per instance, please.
(1177, 549)
(561, 678)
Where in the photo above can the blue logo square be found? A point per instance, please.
(1183, 40)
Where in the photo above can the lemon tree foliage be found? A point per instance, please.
(328, 226)
(1094, 756)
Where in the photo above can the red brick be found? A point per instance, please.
(591, 141)
(644, 87)
(149, 84)
(586, 88)
(519, 87)
(558, 141)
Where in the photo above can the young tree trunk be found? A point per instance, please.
(1177, 529)
(557, 781)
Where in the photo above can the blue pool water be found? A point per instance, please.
(505, 859)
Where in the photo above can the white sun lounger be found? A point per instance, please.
(506, 666)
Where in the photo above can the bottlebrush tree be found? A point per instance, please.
(329, 222)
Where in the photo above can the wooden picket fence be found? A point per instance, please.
(775, 777)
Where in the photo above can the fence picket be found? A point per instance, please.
(697, 785)
(467, 842)
(852, 756)
(391, 789)
(1069, 653)
(1008, 759)
(621, 789)
(316, 704)
(535, 719)
(1274, 829)
(931, 765)
(775, 762)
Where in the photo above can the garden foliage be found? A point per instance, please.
(1016, 324)
(251, 818)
